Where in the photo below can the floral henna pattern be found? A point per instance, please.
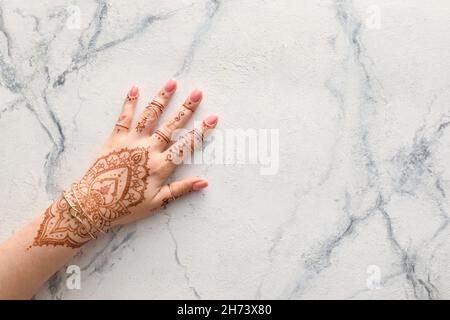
(140, 126)
(179, 116)
(151, 113)
(60, 228)
(114, 183)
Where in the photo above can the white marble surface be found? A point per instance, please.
(359, 91)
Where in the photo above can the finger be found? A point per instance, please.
(191, 141)
(163, 136)
(177, 189)
(123, 124)
(149, 117)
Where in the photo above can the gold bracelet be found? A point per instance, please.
(81, 207)
(74, 215)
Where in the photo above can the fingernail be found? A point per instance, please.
(134, 91)
(196, 95)
(170, 85)
(199, 185)
(212, 120)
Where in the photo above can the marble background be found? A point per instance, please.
(359, 91)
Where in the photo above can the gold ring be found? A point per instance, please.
(171, 193)
(157, 105)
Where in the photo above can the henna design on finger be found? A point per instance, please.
(174, 123)
(206, 126)
(140, 126)
(122, 126)
(188, 107)
(131, 98)
(176, 152)
(149, 115)
(179, 115)
(114, 183)
(190, 141)
(133, 94)
(157, 105)
(169, 157)
(121, 123)
(166, 200)
(198, 135)
(161, 136)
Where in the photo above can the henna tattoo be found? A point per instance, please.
(205, 127)
(197, 135)
(182, 113)
(60, 228)
(79, 215)
(114, 183)
(173, 124)
(176, 152)
(140, 126)
(189, 108)
(131, 98)
(192, 140)
(149, 115)
(169, 156)
(122, 126)
(162, 136)
(157, 105)
(166, 201)
(152, 112)
(121, 122)
(179, 116)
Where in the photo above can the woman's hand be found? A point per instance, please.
(127, 180)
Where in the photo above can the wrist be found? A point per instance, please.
(62, 225)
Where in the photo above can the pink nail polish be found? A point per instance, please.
(196, 95)
(212, 120)
(170, 86)
(134, 92)
(199, 185)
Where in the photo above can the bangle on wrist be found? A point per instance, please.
(77, 211)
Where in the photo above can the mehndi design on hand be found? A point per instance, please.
(127, 180)
(111, 186)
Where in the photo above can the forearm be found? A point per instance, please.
(25, 266)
